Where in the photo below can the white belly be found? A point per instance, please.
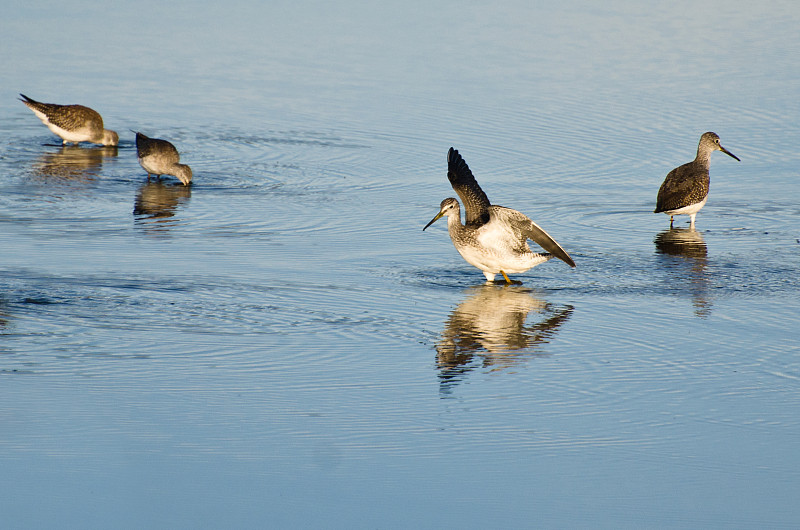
(148, 165)
(75, 136)
(688, 210)
(70, 136)
(491, 262)
(497, 250)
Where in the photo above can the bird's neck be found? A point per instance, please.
(454, 223)
(703, 158)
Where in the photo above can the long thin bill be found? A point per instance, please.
(728, 153)
(438, 216)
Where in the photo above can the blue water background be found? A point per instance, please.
(280, 345)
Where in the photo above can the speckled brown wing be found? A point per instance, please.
(71, 117)
(684, 185)
(146, 147)
(476, 203)
(526, 229)
(68, 117)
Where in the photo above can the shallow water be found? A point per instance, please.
(281, 345)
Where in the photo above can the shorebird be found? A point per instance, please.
(73, 123)
(493, 238)
(685, 190)
(159, 157)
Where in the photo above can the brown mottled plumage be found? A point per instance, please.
(685, 190)
(73, 123)
(159, 157)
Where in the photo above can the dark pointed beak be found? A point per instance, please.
(438, 216)
(728, 153)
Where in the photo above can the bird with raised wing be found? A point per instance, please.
(493, 238)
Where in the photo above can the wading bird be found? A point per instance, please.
(493, 238)
(685, 190)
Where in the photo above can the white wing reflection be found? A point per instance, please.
(72, 162)
(490, 328)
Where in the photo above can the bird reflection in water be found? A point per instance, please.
(489, 329)
(685, 257)
(72, 162)
(157, 202)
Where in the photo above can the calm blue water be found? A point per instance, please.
(280, 345)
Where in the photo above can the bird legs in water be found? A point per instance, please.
(691, 220)
(490, 278)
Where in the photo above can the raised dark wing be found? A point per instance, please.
(530, 230)
(476, 203)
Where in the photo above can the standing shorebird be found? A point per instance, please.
(159, 157)
(685, 190)
(494, 238)
(73, 123)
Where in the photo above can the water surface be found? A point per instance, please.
(281, 345)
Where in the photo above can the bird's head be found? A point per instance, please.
(448, 207)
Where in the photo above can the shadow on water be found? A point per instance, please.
(488, 328)
(73, 162)
(156, 204)
(685, 258)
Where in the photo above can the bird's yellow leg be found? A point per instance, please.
(506, 277)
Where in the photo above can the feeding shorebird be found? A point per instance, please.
(73, 123)
(493, 238)
(685, 190)
(159, 157)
